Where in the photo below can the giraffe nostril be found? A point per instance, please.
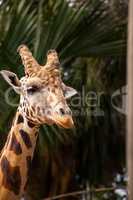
(69, 112)
(62, 111)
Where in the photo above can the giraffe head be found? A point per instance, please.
(42, 93)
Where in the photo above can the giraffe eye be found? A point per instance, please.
(32, 89)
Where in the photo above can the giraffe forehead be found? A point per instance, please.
(28, 81)
(47, 80)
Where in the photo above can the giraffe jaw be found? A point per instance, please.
(64, 121)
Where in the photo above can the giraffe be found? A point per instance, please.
(43, 100)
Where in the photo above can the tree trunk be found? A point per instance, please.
(130, 103)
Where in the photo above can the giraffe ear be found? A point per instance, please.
(68, 91)
(12, 80)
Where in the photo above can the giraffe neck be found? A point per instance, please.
(16, 157)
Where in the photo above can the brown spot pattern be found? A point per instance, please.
(30, 124)
(11, 176)
(36, 133)
(15, 145)
(26, 138)
(33, 108)
(27, 112)
(20, 119)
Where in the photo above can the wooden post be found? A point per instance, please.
(130, 102)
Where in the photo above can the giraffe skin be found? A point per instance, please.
(14, 164)
(42, 101)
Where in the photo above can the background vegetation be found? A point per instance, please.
(90, 37)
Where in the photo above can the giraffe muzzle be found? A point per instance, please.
(64, 121)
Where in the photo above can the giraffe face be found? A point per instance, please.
(42, 93)
(43, 100)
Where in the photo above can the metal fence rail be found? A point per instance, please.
(81, 192)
